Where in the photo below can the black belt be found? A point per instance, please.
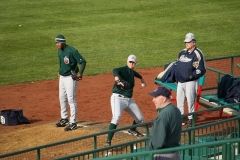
(65, 75)
(122, 96)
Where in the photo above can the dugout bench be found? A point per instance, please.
(211, 99)
(220, 66)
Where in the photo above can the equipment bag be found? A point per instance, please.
(233, 93)
(225, 83)
(13, 117)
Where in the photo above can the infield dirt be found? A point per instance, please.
(39, 102)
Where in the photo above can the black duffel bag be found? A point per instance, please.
(12, 117)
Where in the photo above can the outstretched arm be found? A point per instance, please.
(143, 83)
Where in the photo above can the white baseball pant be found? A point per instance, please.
(188, 90)
(67, 93)
(120, 103)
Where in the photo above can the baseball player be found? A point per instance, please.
(121, 98)
(69, 74)
(190, 66)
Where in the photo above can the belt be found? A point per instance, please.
(120, 95)
(65, 75)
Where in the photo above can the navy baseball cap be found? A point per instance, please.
(161, 91)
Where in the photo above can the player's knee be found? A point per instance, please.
(71, 101)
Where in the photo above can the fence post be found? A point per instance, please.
(232, 66)
(38, 154)
(224, 151)
(229, 151)
(193, 132)
(190, 142)
(238, 134)
(147, 130)
(95, 145)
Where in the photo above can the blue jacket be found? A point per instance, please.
(190, 65)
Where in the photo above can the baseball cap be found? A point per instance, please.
(160, 91)
(132, 58)
(60, 38)
(189, 37)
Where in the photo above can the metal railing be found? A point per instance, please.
(210, 132)
(218, 67)
(224, 149)
(88, 146)
(71, 146)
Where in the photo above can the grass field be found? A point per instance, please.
(107, 31)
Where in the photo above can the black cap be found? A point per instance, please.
(161, 91)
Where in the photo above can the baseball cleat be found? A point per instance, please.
(135, 132)
(62, 123)
(108, 154)
(107, 144)
(189, 123)
(71, 126)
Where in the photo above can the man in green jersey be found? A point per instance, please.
(121, 98)
(166, 129)
(69, 74)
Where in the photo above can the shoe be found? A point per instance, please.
(71, 126)
(135, 132)
(185, 120)
(189, 123)
(62, 123)
(108, 143)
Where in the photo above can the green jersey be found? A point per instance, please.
(166, 129)
(69, 57)
(126, 74)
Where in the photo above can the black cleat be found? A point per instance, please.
(135, 132)
(62, 123)
(107, 144)
(71, 126)
(189, 123)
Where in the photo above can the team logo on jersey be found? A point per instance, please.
(66, 60)
(184, 58)
(2, 120)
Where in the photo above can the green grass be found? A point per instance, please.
(107, 31)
